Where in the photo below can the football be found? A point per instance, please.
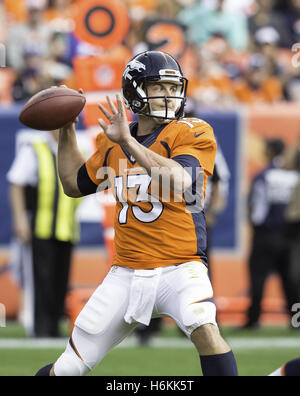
(52, 108)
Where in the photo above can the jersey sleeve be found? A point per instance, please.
(196, 139)
(92, 174)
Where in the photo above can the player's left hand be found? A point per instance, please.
(117, 130)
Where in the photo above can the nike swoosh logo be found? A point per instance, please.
(198, 134)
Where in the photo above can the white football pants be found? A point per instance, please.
(128, 297)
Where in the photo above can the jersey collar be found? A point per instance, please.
(146, 140)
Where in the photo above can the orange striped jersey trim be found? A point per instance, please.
(74, 348)
(207, 299)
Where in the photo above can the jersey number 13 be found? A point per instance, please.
(143, 183)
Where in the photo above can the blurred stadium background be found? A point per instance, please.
(242, 60)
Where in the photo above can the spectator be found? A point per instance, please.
(59, 16)
(167, 9)
(269, 197)
(16, 11)
(213, 87)
(292, 16)
(2, 24)
(258, 84)
(139, 10)
(292, 86)
(153, 32)
(41, 72)
(58, 63)
(30, 80)
(293, 212)
(267, 41)
(241, 6)
(218, 66)
(59, 19)
(134, 40)
(186, 3)
(265, 16)
(7, 77)
(34, 35)
(203, 22)
(244, 6)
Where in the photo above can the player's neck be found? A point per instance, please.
(147, 125)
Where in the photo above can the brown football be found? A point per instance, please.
(52, 108)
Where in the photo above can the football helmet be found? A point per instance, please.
(153, 66)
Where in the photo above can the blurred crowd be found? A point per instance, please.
(231, 51)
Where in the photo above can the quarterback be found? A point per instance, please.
(160, 268)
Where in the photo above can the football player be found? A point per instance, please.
(158, 168)
(290, 369)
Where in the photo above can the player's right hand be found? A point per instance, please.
(70, 125)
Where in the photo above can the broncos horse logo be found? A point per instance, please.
(133, 65)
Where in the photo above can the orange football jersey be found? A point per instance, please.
(153, 228)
